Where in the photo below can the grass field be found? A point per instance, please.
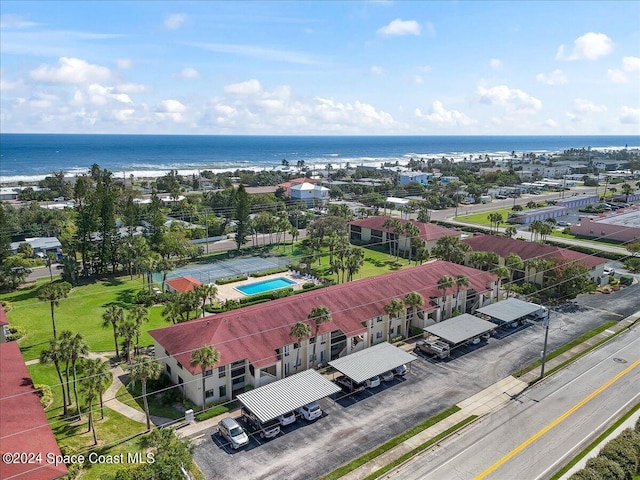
(80, 312)
(481, 218)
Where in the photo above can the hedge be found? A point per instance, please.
(224, 281)
(270, 272)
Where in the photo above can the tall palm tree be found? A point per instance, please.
(355, 260)
(502, 272)
(93, 384)
(128, 329)
(394, 308)
(52, 293)
(65, 350)
(138, 315)
(112, 317)
(77, 349)
(54, 355)
(300, 330)
(205, 293)
(145, 369)
(444, 283)
(320, 314)
(514, 263)
(414, 301)
(204, 357)
(460, 281)
(412, 232)
(165, 266)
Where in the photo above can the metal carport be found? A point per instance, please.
(508, 310)
(371, 361)
(459, 329)
(284, 396)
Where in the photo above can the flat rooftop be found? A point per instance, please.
(371, 361)
(625, 219)
(509, 310)
(461, 328)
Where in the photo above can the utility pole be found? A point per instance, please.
(206, 228)
(546, 336)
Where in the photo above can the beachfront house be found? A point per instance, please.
(309, 193)
(255, 342)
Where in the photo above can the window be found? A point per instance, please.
(208, 373)
(296, 345)
(179, 365)
(286, 369)
(222, 390)
(286, 350)
(238, 380)
(379, 335)
(379, 319)
(222, 372)
(209, 394)
(166, 353)
(312, 340)
(169, 370)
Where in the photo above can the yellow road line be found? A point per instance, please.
(555, 422)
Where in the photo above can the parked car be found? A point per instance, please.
(562, 223)
(473, 341)
(287, 419)
(372, 382)
(349, 386)
(233, 432)
(310, 411)
(387, 376)
(268, 429)
(400, 371)
(433, 347)
(608, 270)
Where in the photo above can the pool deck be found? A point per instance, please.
(229, 292)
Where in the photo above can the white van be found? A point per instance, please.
(310, 411)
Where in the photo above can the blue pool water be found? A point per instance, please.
(265, 286)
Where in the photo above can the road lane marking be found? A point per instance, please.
(556, 422)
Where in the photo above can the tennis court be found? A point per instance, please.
(209, 273)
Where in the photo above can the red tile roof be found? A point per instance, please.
(24, 424)
(183, 284)
(3, 317)
(428, 231)
(526, 250)
(255, 332)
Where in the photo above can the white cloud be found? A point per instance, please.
(444, 117)
(259, 52)
(400, 27)
(188, 73)
(124, 63)
(557, 77)
(424, 68)
(131, 88)
(631, 64)
(171, 106)
(249, 87)
(512, 99)
(431, 30)
(580, 105)
(495, 64)
(43, 100)
(71, 70)
(175, 21)
(377, 70)
(418, 79)
(549, 122)
(630, 115)
(589, 46)
(617, 76)
(9, 20)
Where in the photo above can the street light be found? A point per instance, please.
(546, 336)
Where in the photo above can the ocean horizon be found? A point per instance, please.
(29, 157)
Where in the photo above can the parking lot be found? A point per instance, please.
(354, 425)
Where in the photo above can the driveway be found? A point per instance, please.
(355, 425)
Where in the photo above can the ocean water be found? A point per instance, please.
(29, 157)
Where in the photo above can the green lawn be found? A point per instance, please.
(481, 218)
(80, 312)
(561, 234)
(132, 396)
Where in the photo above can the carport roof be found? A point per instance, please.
(283, 396)
(461, 328)
(371, 361)
(509, 310)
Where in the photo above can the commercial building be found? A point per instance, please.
(622, 225)
(503, 246)
(255, 342)
(371, 230)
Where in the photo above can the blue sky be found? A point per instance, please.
(377, 67)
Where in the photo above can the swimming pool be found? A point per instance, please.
(265, 285)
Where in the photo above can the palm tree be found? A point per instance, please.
(145, 369)
(165, 266)
(149, 263)
(204, 293)
(77, 348)
(626, 190)
(65, 351)
(112, 317)
(444, 284)
(414, 301)
(299, 331)
(128, 329)
(355, 260)
(412, 232)
(513, 262)
(138, 315)
(93, 385)
(320, 314)
(49, 260)
(204, 357)
(460, 281)
(502, 272)
(394, 308)
(55, 355)
(52, 293)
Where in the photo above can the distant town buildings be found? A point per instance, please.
(622, 225)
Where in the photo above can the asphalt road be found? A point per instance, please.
(536, 433)
(354, 426)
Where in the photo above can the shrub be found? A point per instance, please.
(415, 331)
(626, 280)
(608, 469)
(269, 272)
(613, 280)
(16, 332)
(145, 297)
(586, 474)
(308, 285)
(622, 453)
(6, 305)
(637, 427)
(45, 394)
(214, 410)
(632, 264)
(224, 281)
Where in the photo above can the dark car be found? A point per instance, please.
(349, 386)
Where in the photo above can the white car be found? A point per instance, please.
(387, 376)
(232, 431)
(372, 382)
(400, 371)
(608, 270)
(287, 419)
(310, 411)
